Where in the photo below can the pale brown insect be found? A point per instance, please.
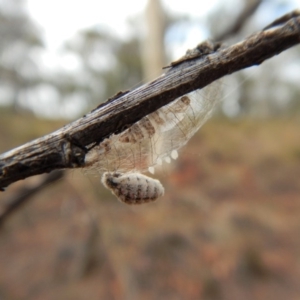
(141, 145)
(148, 143)
(133, 188)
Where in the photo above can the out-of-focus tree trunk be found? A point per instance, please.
(153, 51)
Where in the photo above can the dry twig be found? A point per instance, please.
(66, 148)
(22, 195)
(248, 11)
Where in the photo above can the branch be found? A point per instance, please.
(66, 148)
(248, 11)
(25, 193)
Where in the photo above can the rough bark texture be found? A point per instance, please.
(66, 148)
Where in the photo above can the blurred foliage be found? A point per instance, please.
(19, 38)
(108, 62)
(102, 63)
(22, 128)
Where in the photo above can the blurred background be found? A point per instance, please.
(228, 225)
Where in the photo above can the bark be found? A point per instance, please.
(66, 147)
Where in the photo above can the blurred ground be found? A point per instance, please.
(227, 228)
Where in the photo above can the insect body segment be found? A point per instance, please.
(133, 188)
(148, 143)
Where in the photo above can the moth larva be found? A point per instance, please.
(133, 188)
